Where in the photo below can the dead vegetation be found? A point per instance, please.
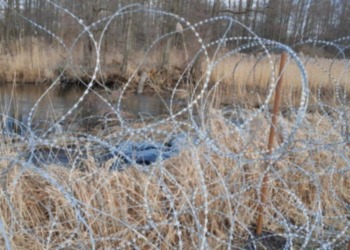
(244, 78)
(176, 200)
(207, 195)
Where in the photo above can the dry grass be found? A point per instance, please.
(33, 63)
(45, 208)
(243, 78)
(247, 80)
(66, 208)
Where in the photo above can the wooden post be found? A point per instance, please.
(276, 105)
(141, 84)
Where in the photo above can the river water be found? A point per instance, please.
(16, 102)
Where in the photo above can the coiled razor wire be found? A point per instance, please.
(207, 192)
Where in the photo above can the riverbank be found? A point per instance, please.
(243, 78)
(208, 193)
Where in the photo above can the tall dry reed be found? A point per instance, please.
(58, 207)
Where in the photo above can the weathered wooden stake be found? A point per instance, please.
(141, 84)
(276, 105)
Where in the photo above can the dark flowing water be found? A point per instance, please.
(17, 101)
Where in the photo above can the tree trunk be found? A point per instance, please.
(170, 27)
(127, 46)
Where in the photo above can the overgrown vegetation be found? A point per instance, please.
(245, 78)
(199, 197)
(91, 195)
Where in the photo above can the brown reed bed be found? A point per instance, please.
(241, 78)
(246, 79)
(41, 208)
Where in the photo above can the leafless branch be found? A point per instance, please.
(246, 11)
